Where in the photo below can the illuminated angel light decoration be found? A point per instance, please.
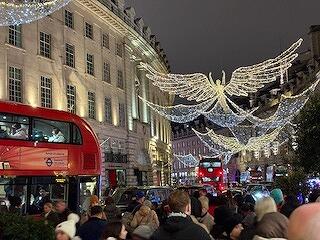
(200, 88)
(288, 108)
(15, 12)
(187, 160)
(233, 145)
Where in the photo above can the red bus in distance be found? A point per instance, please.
(210, 172)
(46, 154)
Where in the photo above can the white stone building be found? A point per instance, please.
(83, 58)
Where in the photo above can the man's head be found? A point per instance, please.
(140, 196)
(304, 223)
(55, 131)
(96, 211)
(179, 201)
(60, 206)
(204, 204)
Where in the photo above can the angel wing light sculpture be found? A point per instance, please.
(200, 88)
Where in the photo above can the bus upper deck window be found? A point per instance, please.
(50, 131)
(14, 126)
(76, 135)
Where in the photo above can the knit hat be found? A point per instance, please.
(69, 226)
(277, 195)
(140, 194)
(231, 222)
(143, 231)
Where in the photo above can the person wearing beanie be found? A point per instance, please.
(277, 196)
(233, 227)
(67, 229)
(142, 232)
(136, 203)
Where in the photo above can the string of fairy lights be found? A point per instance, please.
(250, 133)
(16, 12)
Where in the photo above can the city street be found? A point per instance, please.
(156, 120)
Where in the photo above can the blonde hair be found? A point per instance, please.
(264, 206)
(204, 202)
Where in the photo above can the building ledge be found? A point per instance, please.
(45, 58)
(71, 68)
(8, 45)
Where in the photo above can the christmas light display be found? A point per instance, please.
(15, 12)
(187, 160)
(233, 145)
(200, 88)
(180, 113)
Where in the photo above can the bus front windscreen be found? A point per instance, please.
(210, 164)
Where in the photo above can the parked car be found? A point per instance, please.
(124, 195)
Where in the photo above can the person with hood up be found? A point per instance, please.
(179, 225)
(145, 216)
(114, 231)
(67, 229)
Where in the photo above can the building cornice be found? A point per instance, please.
(126, 29)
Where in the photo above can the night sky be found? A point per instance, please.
(212, 35)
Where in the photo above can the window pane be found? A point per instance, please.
(45, 44)
(68, 19)
(91, 105)
(90, 64)
(70, 55)
(105, 40)
(71, 98)
(108, 110)
(122, 115)
(46, 92)
(50, 131)
(106, 72)
(15, 84)
(119, 49)
(15, 36)
(120, 79)
(89, 30)
(14, 126)
(76, 137)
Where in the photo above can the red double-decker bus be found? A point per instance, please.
(46, 154)
(210, 172)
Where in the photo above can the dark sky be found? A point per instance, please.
(211, 35)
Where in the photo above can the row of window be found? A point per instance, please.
(15, 34)
(36, 129)
(15, 38)
(15, 94)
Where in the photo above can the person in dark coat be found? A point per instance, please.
(179, 225)
(290, 204)
(15, 204)
(62, 210)
(50, 216)
(94, 227)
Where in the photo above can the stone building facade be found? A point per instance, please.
(84, 59)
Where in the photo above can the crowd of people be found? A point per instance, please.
(185, 216)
